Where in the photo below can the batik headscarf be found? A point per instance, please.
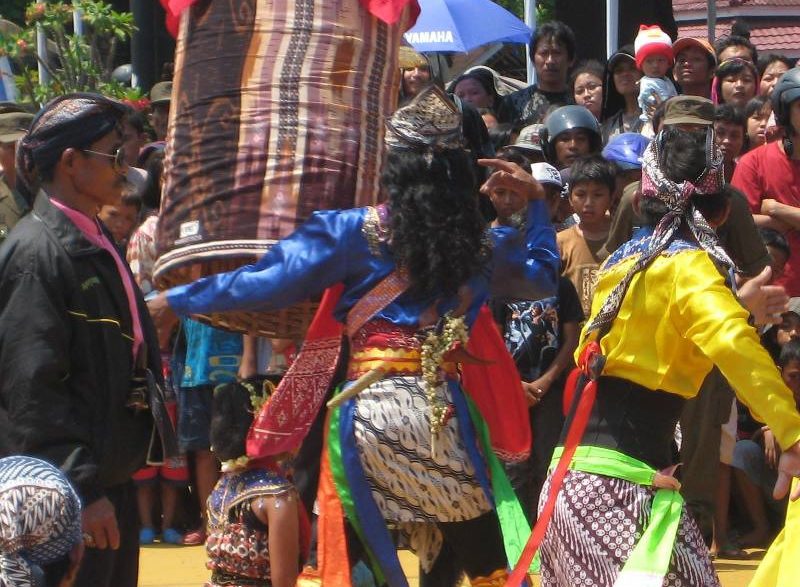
(677, 196)
(429, 122)
(71, 120)
(40, 518)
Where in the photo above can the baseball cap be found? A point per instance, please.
(161, 93)
(689, 110)
(618, 57)
(626, 150)
(794, 306)
(702, 44)
(528, 138)
(137, 178)
(545, 173)
(14, 125)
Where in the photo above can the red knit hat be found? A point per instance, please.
(651, 40)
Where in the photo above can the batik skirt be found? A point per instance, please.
(597, 522)
(413, 486)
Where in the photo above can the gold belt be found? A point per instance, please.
(397, 361)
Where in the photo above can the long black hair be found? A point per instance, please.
(437, 230)
(232, 413)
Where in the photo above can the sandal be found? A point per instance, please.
(732, 552)
(171, 536)
(195, 538)
(147, 535)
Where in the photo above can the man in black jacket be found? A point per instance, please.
(75, 334)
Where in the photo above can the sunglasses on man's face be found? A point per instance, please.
(118, 158)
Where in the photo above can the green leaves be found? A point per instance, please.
(74, 63)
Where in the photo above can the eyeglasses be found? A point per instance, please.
(117, 156)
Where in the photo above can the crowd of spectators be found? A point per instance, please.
(581, 130)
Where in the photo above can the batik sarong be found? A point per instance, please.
(596, 524)
(413, 487)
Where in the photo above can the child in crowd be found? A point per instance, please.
(730, 132)
(754, 456)
(169, 478)
(172, 477)
(121, 219)
(541, 335)
(778, 249)
(654, 59)
(592, 181)
(755, 460)
(550, 179)
(757, 112)
(253, 524)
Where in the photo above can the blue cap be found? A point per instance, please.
(626, 150)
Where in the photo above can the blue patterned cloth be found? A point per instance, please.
(40, 518)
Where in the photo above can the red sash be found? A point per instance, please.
(590, 365)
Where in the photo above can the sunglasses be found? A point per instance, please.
(118, 158)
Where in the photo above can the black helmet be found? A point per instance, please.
(568, 118)
(786, 91)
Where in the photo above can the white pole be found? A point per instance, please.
(77, 22)
(7, 81)
(530, 20)
(612, 27)
(41, 51)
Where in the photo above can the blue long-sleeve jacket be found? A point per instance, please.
(333, 247)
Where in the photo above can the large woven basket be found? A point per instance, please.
(278, 110)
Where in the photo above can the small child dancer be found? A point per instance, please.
(654, 59)
(253, 528)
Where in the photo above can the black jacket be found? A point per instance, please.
(65, 354)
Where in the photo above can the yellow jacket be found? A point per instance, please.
(677, 320)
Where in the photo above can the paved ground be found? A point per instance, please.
(184, 566)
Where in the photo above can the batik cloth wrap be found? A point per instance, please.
(238, 544)
(649, 557)
(614, 520)
(71, 120)
(677, 197)
(40, 519)
(370, 487)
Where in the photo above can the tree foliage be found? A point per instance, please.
(545, 9)
(78, 63)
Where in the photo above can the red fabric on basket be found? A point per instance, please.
(389, 11)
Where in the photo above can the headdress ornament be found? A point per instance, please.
(430, 121)
(677, 198)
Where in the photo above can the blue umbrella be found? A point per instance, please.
(461, 25)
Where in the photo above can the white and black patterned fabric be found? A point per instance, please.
(40, 518)
(596, 523)
(414, 489)
(429, 121)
